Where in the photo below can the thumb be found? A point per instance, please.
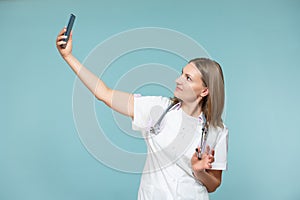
(213, 152)
(71, 36)
(207, 149)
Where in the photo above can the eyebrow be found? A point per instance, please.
(186, 74)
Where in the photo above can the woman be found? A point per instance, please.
(191, 121)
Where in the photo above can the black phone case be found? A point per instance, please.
(69, 28)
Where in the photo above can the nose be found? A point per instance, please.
(178, 80)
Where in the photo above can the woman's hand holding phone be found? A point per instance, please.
(64, 48)
(64, 38)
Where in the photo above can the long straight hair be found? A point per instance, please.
(212, 77)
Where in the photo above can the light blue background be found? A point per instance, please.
(257, 43)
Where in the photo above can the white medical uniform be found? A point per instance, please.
(167, 172)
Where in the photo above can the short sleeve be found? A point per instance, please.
(221, 150)
(143, 105)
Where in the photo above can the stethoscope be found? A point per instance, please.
(204, 133)
(155, 129)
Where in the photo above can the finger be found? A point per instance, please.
(71, 36)
(209, 164)
(195, 154)
(62, 31)
(60, 43)
(207, 149)
(61, 37)
(194, 159)
(212, 159)
(204, 156)
(213, 152)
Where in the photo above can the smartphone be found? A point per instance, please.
(69, 28)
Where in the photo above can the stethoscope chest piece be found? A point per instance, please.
(155, 129)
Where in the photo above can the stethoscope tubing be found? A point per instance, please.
(156, 128)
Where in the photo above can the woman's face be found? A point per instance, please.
(189, 86)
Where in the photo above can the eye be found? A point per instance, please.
(188, 78)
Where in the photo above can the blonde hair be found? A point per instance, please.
(212, 77)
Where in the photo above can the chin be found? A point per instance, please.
(176, 95)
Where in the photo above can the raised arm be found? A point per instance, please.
(121, 102)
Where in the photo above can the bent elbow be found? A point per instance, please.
(211, 190)
(105, 96)
(214, 188)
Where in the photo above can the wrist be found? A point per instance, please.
(197, 176)
(67, 57)
(198, 173)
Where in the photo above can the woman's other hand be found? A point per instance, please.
(205, 162)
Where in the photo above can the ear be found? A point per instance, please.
(204, 92)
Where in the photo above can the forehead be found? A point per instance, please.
(192, 70)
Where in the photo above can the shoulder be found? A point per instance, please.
(218, 133)
(146, 108)
(150, 101)
(219, 129)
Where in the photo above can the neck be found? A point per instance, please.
(192, 109)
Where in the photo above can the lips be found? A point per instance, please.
(178, 88)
